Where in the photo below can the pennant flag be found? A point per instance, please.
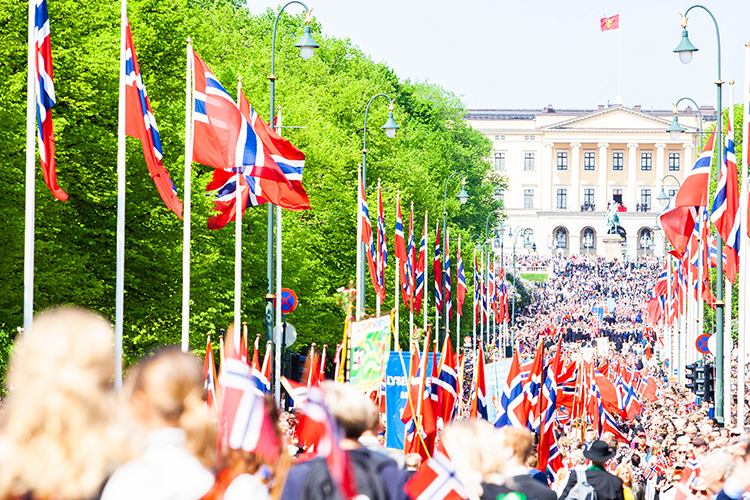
(725, 213)
(548, 452)
(447, 383)
(437, 268)
(479, 397)
(382, 247)
(45, 98)
(367, 237)
(411, 262)
(141, 124)
(420, 269)
(694, 189)
(448, 302)
(511, 401)
(461, 286)
(209, 375)
(400, 251)
(610, 23)
(678, 223)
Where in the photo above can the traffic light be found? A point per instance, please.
(700, 381)
(691, 374)
(709, 382)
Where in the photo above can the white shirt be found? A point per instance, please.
(166, 471)
(246, 486)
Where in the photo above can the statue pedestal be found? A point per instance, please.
(612, 247)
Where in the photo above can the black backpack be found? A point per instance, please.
(367, 466)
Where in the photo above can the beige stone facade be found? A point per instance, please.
(564, 166)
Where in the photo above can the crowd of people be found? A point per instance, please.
(66, 434)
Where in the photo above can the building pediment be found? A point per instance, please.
(613, 119)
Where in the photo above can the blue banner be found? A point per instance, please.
(396, 393)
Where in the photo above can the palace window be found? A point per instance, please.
(589, 196)
(646, 160)
(589, 160)
(528, 198)
(562, 160)
(618, 160)
(497, 137)
(528, 161)
(674, 161)
(499, 161)
(646, 199)
(562, 199)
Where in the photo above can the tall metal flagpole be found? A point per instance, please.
(413, 286)
(30, 209)
(474, 308)
(279, 342)
(619, 59)
(425, 281)
(438, 280)
(744, 275)
(186, 205)
(238, 214)
(728, 343)
(378, 256)
(482, 299)
(120, 257)
(397, 273)
(458, 315)
(360, 283)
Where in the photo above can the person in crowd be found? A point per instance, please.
(60, 434)
(624, 473)
(166, 398)
(517, 445)
(369, 438)
(377, 476)
(413, 461)
(606, 485)
(716, 467)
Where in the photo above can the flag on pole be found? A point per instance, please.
(725, 213)
(694, 189)
(400, 251)
(437, 267)
(209, 375)
(141, 124)
(477, 289)
(448, 302)
(419, 271)
(437, 480)
(45, 99)
(479, 400)
(411, 262)
(447, 383)
(367, 237)
(382, 247)
(610, 23)
(461, 285)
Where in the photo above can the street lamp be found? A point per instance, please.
(685, 50)
(525, 231)
(487, 245)
(675, 129)
(390, 127)
(463, 196)
(306, 46)
(663, 198)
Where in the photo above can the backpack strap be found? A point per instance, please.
(581, 477)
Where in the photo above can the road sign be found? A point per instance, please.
(701, 343)
(288, 301)
(291, 334)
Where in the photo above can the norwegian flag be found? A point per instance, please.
(678, 223)
(419, 413)
(609, 425)
(694, 189)
(492, 306)
(256, 190)
(511, 401)
(532, 390)
(419, 271)
(725, 213)
(479, 399)
(448, 302)
(411, 262)
(437, 267)
(141, 124)
(382, 261)
(245, 425)
(400, 251)
(265, 370)
(447, 383)
(255, 370)
(223, 138)
(461, 285)
(548, 452)
(209, 375)
(367, 237)
(477, 290)
(45, 98)
(437, 480)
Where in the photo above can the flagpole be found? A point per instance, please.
(458, 310)
(425, 281)
(728, 343)
(120, 257)
(186, 206)
(474, 302)
(30, 211)
(238, 214)
(280, 342)
(619, 59)
(482, 298)
(359, 280)
(744, 275)
(397, 274)
(412, 276)
(379, 267)
(438, 280)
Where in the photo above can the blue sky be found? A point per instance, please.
(518, 54)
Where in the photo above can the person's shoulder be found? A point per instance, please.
(246, 486)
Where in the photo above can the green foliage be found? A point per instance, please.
(75, 240)
(536, 277)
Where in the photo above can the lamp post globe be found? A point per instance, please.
(306, 45)
(685, 49)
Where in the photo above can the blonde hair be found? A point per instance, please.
(60, 431)
(349, 407)
(621, 468)
(473, 448)
(172, 382)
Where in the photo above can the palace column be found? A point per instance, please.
(632, 196)
(659, 166)
(601, 193)
(575, 176)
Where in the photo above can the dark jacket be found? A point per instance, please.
(529, 486)
(607, 486)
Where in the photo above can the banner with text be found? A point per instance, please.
(370, 339)
(396, 391)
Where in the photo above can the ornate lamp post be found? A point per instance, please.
(463, 197)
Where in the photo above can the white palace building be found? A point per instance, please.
(564, 166)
